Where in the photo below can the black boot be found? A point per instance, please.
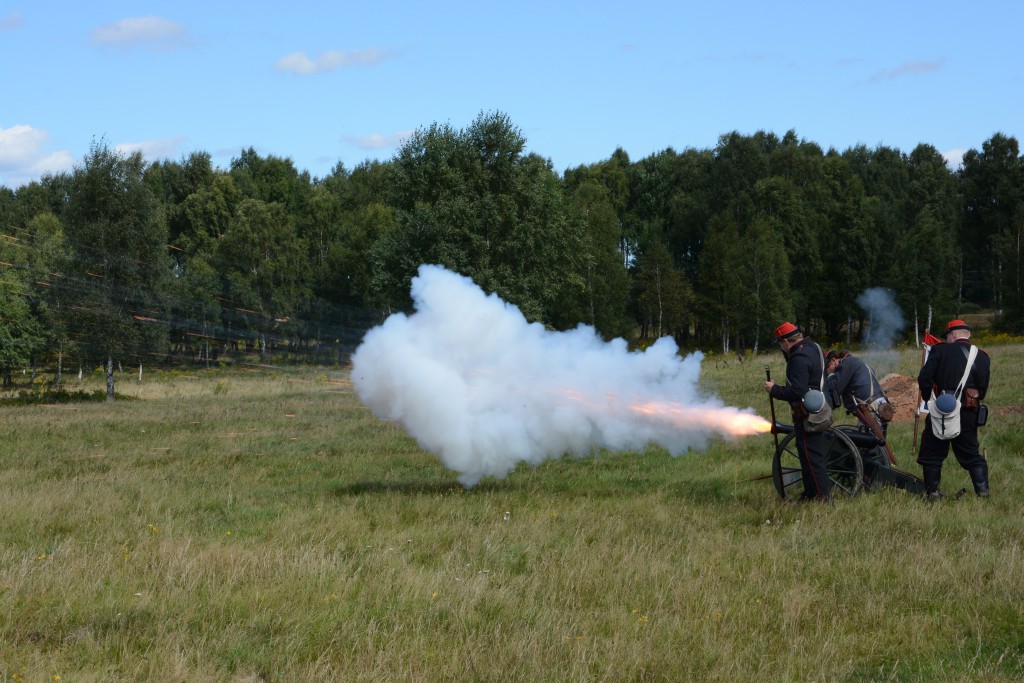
(932, 477)
(979, 477)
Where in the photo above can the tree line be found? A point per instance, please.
(120, 261)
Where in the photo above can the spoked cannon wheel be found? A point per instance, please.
(842, 458)
(874, 456)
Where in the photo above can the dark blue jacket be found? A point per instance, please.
(803, 372)
(945, 367)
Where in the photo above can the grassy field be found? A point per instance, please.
(264, 526)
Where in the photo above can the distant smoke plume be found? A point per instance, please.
(477, 385)
(885, 319)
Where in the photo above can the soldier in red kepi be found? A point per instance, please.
(948, 366)
(804, 371)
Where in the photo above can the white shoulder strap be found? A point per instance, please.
(872, 383)
(967, 371)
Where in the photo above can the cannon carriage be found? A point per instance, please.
(857, 460)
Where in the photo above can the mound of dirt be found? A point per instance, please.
(903, 395)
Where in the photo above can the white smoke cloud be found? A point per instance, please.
(885, 319)
(477, 385)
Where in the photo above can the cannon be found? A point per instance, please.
(857, 460)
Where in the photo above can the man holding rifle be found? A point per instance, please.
(804, 370)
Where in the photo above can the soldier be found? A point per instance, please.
(804, 370)
(942, 372)
(852, 383)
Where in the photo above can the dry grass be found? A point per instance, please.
(263, 526)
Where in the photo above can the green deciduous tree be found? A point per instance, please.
(848, 252)
(990, 193)
(51, 292)
(271, 179)
(603, 300)
(202, 218)
(744, 281)
(925, 265)
(20, 331)
(762, 272)
(473, 202)
(663, 293)
(718, 293)
(118, 245)
(780, 203)
(992, 187)
(884, 174)
(264, 267)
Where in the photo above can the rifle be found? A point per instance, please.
(871, 423)
(771, 401)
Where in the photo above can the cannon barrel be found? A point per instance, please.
(779, 428)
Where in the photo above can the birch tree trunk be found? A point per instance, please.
(110, 378)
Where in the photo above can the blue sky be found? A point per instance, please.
(329, 82)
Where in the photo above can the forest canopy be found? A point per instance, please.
(128, 262)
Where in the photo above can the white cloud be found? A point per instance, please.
(152, 150)
(377, 141)
(24, 159)
(911, 68)
(12, 21)
(151, 33)
(954, 157)
(300, 64)
(55, 162)
(296, 63)
(19, 144)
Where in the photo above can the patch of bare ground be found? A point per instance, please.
(904, 395)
